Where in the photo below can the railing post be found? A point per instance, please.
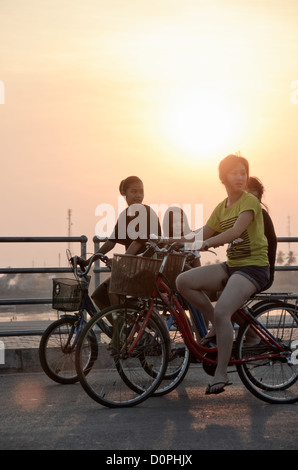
(97, 240)
(96, 264)
(84, 246)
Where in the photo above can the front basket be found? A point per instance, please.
(67, 295)
(135, 276)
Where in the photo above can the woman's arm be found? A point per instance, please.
(204, 232)
(196, 236)
(106, 247)
(134, 248)
(244, 219)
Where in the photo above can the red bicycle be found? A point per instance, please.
(134, 349)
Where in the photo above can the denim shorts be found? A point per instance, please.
(258, 275)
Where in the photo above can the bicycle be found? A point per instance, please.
(58, 342)
(179, 355)
(268, 370)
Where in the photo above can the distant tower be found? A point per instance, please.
(69, 226)
(289, 232)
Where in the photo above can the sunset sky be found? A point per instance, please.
(94, 91)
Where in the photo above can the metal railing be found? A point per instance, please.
(287, 267)
(83, 251)
(98, 268)
(54, 270)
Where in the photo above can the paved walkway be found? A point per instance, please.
(37, 413)
(64, 417)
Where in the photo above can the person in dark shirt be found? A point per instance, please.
(134, 224)
(256, 188)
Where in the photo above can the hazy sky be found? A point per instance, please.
(93, 91)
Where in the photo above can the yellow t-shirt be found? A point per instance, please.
(251, 248)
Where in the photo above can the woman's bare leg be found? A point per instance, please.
(193, 283)
(237, 290)
(234, 295)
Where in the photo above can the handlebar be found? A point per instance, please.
(80, 270)
(158, 242)
(152, 244)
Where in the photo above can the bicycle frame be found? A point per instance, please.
(164, 292)
(198, 350)
(86, 304)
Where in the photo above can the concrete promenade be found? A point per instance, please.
(37, 413)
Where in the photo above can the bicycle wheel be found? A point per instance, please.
(269, 374)
(57, 350)
(179, 358)
(179, 355)
(120, 378)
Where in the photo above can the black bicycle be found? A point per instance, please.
(59, 341)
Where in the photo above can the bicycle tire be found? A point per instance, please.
(57, 353)
(178, 362)
(117, 378)
(272, 379)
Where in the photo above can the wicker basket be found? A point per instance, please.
(135, 276)
(174, 266)
(67, 295)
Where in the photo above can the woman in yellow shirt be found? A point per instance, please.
(238, 222)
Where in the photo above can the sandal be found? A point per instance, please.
(219, 389)
(207, 339)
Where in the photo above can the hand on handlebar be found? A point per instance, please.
(85, 265)
(80, 261)
(109, 263)
(205, 246)
(160, 241)
(184, 242)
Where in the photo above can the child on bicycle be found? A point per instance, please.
(125, 232)
(175, 225)
(238, 222)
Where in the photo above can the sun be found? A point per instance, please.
(203, 125)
